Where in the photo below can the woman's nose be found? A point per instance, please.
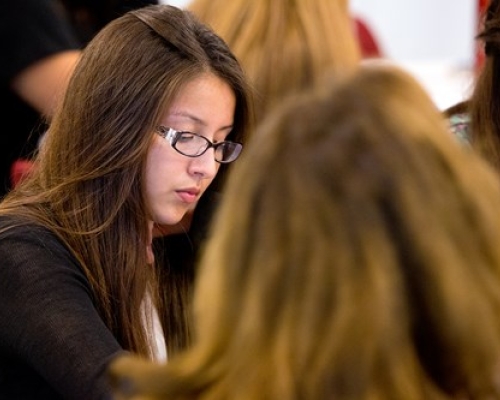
(205, 165)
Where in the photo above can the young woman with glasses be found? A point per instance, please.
(155, 111)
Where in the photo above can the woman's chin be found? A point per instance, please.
(173, 225)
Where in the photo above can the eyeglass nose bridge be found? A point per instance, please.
(214, 146)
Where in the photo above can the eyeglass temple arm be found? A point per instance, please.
(168, 134)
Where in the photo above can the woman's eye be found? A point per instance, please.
(186, 137)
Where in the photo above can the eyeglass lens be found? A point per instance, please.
(195, 145)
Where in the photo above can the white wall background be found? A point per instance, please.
(424, 29)
(178, 3)
(434, 39)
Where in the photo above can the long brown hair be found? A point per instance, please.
(88, 184)
(361, 260)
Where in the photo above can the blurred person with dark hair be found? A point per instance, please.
(476, 121)
(40, 42)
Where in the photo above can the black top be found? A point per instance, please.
(53, 343)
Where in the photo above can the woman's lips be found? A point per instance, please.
(188, 196)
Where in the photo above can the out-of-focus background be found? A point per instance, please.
(432, 39)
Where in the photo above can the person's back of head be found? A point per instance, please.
(355, 256)
(284, 46)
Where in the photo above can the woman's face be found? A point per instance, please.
(174, 182)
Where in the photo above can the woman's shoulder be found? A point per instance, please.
(15, 226)
(459, 125)
(32, 255)
(20, 238)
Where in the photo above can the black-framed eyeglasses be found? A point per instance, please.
(193, 145)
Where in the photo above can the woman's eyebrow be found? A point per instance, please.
(199, 121)
(189, 116)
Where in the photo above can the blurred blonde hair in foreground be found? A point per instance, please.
(284, 45)
(355, 256)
